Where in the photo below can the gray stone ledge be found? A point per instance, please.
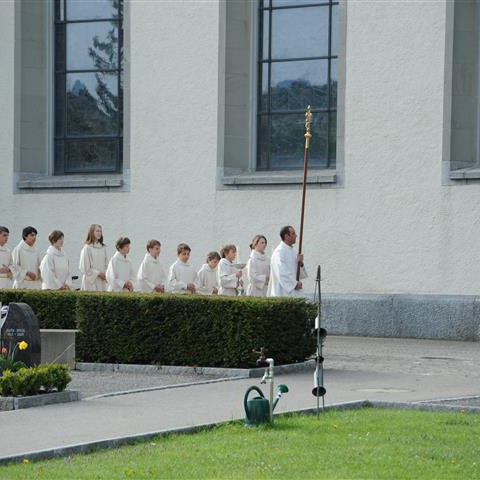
(280, 178)
(181, 370)
(16, 403)
(464, 174)
(71, 181)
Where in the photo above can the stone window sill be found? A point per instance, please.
(280, 178)
(465, 174)
(71, 181)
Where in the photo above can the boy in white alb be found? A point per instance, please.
(94, 261)
(207, 276)
(151, 275)
(26, 261)
(181, 275)
(229, 277)
(6, 267)
(54, 268)
(120, 274)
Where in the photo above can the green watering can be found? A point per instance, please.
(257, 409)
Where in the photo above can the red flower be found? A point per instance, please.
(4, 351)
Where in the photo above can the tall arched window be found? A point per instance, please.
(88, 86)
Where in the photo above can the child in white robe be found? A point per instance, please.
(120, 273)
(182, 277)
(207, 277)
(258, 268)
(54, 267)
(151, 275)
(26, 261)
(94, 261)
(229, 277)
(6, 267)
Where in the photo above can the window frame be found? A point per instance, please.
(60, 167)
(261, 59)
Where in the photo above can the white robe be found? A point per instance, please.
(150, 274)
(26, 259)
(283, 276)
(55, 269)
(258, 271)
(6, 261)
(207, 280)
(93, 260)
(227, 277)
(119, 271)
(179, 276)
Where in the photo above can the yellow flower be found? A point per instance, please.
(23, 345)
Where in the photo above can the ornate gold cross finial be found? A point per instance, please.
(308, 122)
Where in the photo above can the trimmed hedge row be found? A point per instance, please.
(176, 329)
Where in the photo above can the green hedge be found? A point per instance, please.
(34, 380)
(177, 329)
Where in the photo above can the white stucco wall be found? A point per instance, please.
(393, 226)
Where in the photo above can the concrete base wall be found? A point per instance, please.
(446, 317)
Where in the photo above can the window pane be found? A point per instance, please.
(263, 143)
(60, 105)
(266, 34)
(288, 141)
(333, 84)
(92, 104)
(60, 47)
(332, 140)
(300, 32)
(59, 156)
(318, 142)
(92, 46)
(334, 30)
(284, 3)
(92, 156)
(295, 85)
(91, 9)
(263, 101)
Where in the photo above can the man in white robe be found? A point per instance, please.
(6, 267)
(284, 264)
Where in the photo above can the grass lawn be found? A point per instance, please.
(368, 443)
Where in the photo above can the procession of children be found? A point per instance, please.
(26, 267)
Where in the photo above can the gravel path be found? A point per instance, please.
(96, 383)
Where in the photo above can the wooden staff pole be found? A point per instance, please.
(308, 121)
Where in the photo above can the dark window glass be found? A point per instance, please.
(88, 86)
(297, 67)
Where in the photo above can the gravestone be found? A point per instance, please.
(21, 324)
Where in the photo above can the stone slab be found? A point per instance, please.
(16, 403)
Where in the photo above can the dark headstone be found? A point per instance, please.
(21, 324)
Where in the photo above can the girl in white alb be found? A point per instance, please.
(258, 268)
(54, 267)
(120, 274)
(207, 277)
(26, 261)
(229, 277)
(151, 276)
(94, 261)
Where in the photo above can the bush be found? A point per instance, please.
(34, 380)
(166, 329)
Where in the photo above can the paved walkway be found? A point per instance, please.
(399, 370)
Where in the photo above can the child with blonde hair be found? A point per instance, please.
(258, 268)
(94, 260)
